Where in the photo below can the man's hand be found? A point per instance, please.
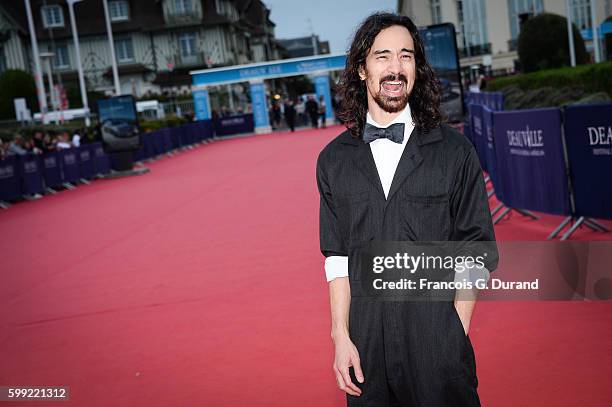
(347, 356)
(464, 310)
(346, 352)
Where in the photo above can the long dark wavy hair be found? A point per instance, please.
(425, 97)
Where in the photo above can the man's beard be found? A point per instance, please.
(392, 104)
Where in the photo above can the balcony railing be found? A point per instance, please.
(475, 50)
(189, 60)
(175, 18)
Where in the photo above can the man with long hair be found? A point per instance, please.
(397, 174)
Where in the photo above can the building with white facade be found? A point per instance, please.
(157, 42)
(487, 30)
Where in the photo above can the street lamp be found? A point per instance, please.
(47, 57)
(570, 33)
(77, 51)
(595, 30)
(111, 43)
(40, 87)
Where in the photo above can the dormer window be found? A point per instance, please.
(119, 10)
(52, 16)
(183, 6)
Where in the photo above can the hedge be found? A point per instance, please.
(591, 78)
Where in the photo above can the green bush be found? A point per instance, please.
(543, 43)
(590, 78)
(15, 83)
(73, 94)
(152, 125)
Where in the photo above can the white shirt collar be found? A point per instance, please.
(404, 117)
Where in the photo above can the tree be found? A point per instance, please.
(75, 101)
(298, 85)
(15, 83)
(543, 43)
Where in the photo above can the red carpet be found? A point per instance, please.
(201, 284)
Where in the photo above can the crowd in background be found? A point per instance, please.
(300, 112)
(40, 142)
(290, 113)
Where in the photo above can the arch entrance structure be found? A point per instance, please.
(317, 67)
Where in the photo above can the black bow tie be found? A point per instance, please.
(395, 133)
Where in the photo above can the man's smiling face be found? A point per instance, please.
(390, 69)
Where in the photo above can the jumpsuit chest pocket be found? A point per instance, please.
(426, 217)
(354, 217)
(355, 221)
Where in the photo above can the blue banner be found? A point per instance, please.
(493, 100)
(478, 137)
(192, 132)
(158, 142)
(184, 136)
(289, 67)
(139, 154)
(86, 162)
(167, 140)
(498, 101)
(321, 83)
(201, 104)
(206, 127)
(588, 136)
(260, 105)
(175, 137)
(101, 160)
(70, 165)
(489, 138)
(52, 170)
(149, 145)
(530, 161)
(201, 129)
(234, 125)
(10, 182)
(31, 174)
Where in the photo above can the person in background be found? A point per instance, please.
(17, 146)
(336, 104)
(290, 114)
(62, 141)
(48, 143)
(322, 108)
(276, 114)
(3, 148)
(76, 138)
(30, 146)
(39, 141)
(301, 112)
(312, 108)
(188, 116)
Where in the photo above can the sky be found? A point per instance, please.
(332, 20)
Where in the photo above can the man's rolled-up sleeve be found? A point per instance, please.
(332, 242)
(470, 211)
(336, 266)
